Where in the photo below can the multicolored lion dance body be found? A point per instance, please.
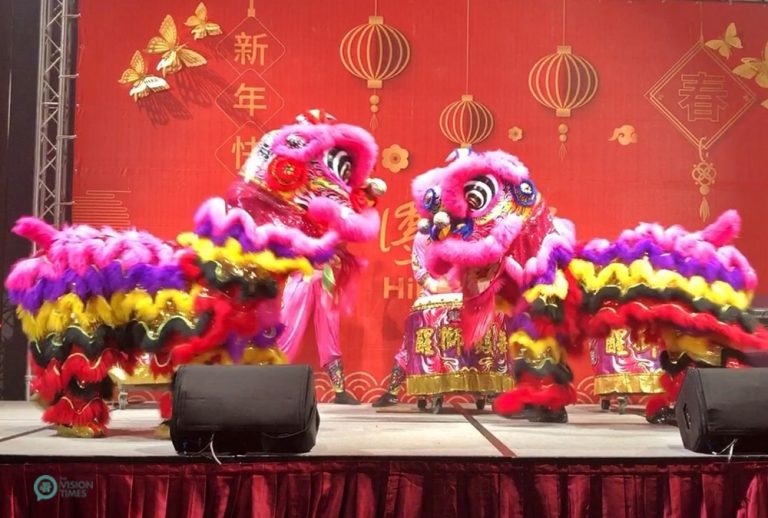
(92, 299)
(490, 228)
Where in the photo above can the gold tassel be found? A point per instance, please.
(704, 209)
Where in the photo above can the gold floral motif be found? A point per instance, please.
(515, 134)
(424, 341)
(394, 158)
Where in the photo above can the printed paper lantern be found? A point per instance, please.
(563, 81)
(466, 122)
(375, 52)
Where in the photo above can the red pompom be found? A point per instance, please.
(360, 199)
(284, 174)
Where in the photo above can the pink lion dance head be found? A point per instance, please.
(487, 222)
(313, 176)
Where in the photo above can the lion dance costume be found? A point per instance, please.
(93, 299)
(434, 360)
(686, 292)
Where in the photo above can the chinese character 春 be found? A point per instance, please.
(248, 48)
(408, 219)
(249, 97)
(703, 96)
(241, 148)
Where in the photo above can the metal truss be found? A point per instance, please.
(55, 110)
(55, 117)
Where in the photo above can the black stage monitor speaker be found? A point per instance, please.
(716, 407)
(244, 409)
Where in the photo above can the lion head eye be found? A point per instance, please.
(525, 193)
(339, 162)
(479, 192)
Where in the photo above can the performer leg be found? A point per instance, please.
(543, 379)
(74, 392)
(396, 380)
(298, 302)
(327, 333)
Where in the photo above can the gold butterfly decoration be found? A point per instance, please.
(175, 56)
(143, 84)
(201, 27)
(753, 68)
(729, 41)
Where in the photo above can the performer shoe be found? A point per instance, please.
(539, 414)
(345, 398)
(90, 431)
(386, 399)
(665, 415)
(163, 431)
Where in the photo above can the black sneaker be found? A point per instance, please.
(345, 398)
(540, 414)
(386, 399)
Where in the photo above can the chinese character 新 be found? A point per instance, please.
(248, 48)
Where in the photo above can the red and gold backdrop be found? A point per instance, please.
(633, 152)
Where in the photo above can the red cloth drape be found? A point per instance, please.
(408, 488)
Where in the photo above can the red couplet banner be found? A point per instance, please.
(640, 112)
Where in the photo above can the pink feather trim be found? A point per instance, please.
(214, 211)
(350, 225)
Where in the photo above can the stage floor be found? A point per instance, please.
(363, 431)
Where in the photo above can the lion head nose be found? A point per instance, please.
(441, 219)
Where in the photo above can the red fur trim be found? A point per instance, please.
(217, 332)
(477, 315)
(77, 365)
(70, 411)
(244, 319)
(574, 316)
(553, 397)
(47, 383)
(166, 404)
(673, 384)
(676, 315)
(655, 404)
(544, 326)
(161, 364)
(188, 266)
